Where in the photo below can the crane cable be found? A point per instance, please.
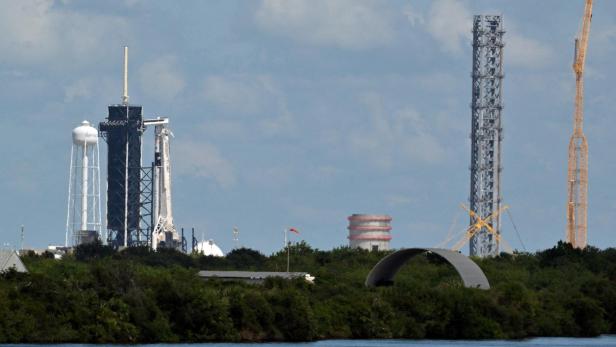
(450, 234)
(516, 230)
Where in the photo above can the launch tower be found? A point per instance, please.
(122, 131)
(139, 210)
(486, 132)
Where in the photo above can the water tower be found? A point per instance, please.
(369, 231)
(83, 218)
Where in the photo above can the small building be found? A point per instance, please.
(369, 231)
(253, 276)
(9, 259)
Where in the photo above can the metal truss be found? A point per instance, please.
(122, 131)
(486, 132)
(143, 235)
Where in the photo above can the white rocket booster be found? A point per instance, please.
(164, 230)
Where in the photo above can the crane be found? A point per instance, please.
(478, 225)
(577, 173)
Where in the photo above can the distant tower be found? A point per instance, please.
(486, 133)
(236, 238)
(371, 232)
(83, 219)
(122, 130)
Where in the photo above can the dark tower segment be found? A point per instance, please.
(486, 132)
(122, 131)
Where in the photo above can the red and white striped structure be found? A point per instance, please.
(369, 231)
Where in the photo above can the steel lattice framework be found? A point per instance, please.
(122, 131)
(143, 237)
(577, 173)
(486, 135)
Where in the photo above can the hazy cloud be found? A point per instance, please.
(603, 40)
(394, 135)
(93, 87)
(238, 94)
(349, 24)
(202, 159)
(398, 200)
(161, 79)
(82, 88)
(37, 32)
(450, 23)
(251, 95)
(522, 51)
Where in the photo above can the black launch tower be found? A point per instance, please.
(122, 131)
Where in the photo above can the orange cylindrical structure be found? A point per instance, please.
(369, 231)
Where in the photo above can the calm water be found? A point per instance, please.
(595, 342)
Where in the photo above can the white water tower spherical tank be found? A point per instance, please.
(83, 220)
(85, 134)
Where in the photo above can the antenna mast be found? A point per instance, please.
(22, 238)
(125, 94)
(236, 237)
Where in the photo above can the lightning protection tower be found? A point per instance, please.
(122, 131)
(83, 219)
(486, 132)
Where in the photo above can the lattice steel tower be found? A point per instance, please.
(129, 188)
(486, 133)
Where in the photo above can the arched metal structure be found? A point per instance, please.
(384, 271)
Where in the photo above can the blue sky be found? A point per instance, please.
(300, 113)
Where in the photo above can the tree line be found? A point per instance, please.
(98, 295)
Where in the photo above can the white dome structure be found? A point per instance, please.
(85, 134)
(209, 248)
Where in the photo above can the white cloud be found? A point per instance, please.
(251, 95)
(237, 93)
(526, 52)
(348, 24)
(37, 32)
(161, 79)
(89, 87)
(414, 17)
(202, 159)
(392, 136)
(279, 124)
(81, 88)
(450, 23)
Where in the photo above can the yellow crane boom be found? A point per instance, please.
(478, 225)
(577, 173)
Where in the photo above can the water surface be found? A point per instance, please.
(544, 341)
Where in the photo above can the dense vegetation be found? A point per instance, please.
(98, 295)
